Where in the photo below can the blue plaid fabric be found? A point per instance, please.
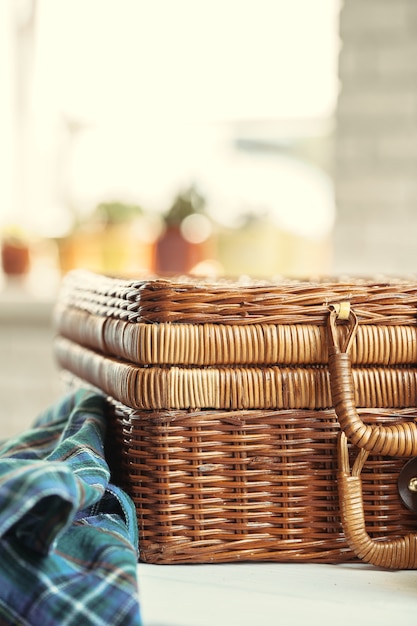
(68, 537)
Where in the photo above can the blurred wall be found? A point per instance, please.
(376, 138)
(29, 378)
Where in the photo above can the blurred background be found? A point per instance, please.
(173, 135)
(218, 137)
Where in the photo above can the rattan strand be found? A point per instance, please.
(232, 387)
(397, 440)
(400, 440)
(187, 300)
(218, 486)
(396, 553)
(227, 344)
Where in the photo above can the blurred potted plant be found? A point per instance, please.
(113, 239)
(15, 253)
(187, 229)
(127, 239)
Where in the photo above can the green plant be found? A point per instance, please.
(117, 212)
(186, 203)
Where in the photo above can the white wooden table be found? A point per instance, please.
(276, 594)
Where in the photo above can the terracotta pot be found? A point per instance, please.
(15, 257)
(174, 254)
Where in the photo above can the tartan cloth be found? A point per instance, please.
(68, 537)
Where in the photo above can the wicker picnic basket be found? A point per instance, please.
(255, 420)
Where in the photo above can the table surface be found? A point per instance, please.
(260, 594)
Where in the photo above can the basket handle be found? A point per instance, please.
(399, 553)
(395, 440)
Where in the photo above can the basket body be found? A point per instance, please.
(218, 486)
(221, 409)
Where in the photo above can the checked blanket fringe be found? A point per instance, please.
(68, 537)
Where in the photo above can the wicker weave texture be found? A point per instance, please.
(232, 387)
(194, 301)
(230, 344)
(218, 486)
(228, 404)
